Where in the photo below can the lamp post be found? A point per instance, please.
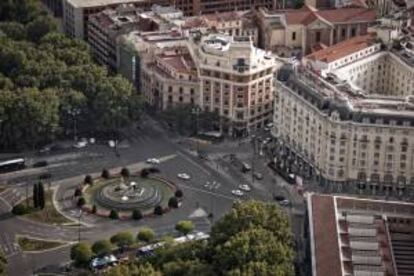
(74, 112)
(196, 112)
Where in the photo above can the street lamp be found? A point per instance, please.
(74, 112)
(196, 111)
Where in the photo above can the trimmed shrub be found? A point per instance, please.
(78, 192)
(179, 194)
(145, 234)
(88, 180)
(81, 202)
(137, 214)
(105, 174)
(20, 209)
(102, 247)
(173, 202)
(81, 253)
(113, 214)
(158, 210)
(144, 173)
(125, 173)
(94, 209)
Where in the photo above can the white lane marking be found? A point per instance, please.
(194, 163)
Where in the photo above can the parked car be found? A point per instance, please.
(237, 192)
(40, 164)
(80, 144)
(184, 176)
(245, 187)
(154, 161)
(279, 197)
(284, 203)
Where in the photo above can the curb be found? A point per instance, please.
(64, 244)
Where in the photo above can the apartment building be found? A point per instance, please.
(76, 12)
(302, 31)
(236, 81)
(351, 137)
(198, 7)
(105, 27)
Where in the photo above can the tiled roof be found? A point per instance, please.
(342, 49)
(325, 235)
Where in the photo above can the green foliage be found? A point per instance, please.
(133, 268)
(158, 210)
(81, 253)
(145, 234)
(137, 214)
(101, 247)
(88, 180)
(173, 202)
(3, 263)
(78, 192)
(94, 209)
(113, 214)
(20, 209)
(39, 27)
(105, 174)
(187, 268)
(13, 30)
(184, 226)
(81, 202)
(122, 239)
(179, 194)
(299, 4)
(125, 173)
(22, 11)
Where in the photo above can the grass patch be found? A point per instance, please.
(29, 244)
(49, 214)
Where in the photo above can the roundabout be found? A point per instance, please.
(125, 194)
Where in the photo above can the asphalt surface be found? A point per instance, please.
(210, 189)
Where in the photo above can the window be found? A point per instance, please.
(318, 36)
(353, 32)
(343, 32)
(294, 36)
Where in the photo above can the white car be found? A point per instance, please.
(111, 143)
(80, 144)
(284, 202)
(183, 176)
(237, 193)
(245, 187)
(154, 161)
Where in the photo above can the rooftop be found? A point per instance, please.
(99, 3)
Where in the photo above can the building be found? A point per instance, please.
(355, 236)
(105, 27)
(305, 30)
(170, 79)
(55, 6)
(198, 7)
(347, 115)
(236, 81)
(76, 12)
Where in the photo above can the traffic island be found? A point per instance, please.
(32, 245)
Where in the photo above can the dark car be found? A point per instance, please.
(40, 164)
(279, 197)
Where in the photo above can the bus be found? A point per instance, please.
(12, 165)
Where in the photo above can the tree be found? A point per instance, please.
(81, 202)
(35, 195)
(137, 214)
(113, 214)
(102, 247)
(3, 263)
(41, 195)
(105, 174)
(122, 239)
(88, 180)
(125, 173)
(184, 226)
(78, 192)
(14, 30)
(179, 194)
(133, 268)
(94, 209)
(187, 268)
(20, 209)
(40, 27)
(81, 253)
(173, 202)
(145, 234)
(158, 210)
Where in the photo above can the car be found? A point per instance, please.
(266, 129)
(258, 175)
(111, 143)
(237, 192)
(184, 176)
(284, 202)
(269, 125)
(245, 187)
(279, 197)
(80, 144)
(154, 161)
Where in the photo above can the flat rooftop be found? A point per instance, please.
(98, 3)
